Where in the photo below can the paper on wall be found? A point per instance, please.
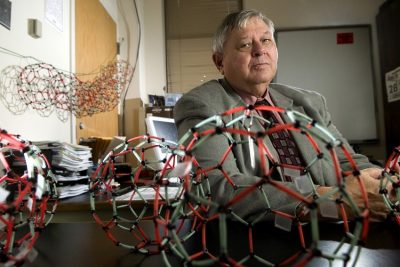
(392, 79)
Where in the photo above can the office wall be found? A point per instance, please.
(150, 73)
(54, 47)
(290, 14)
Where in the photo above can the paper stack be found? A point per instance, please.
(70, 165)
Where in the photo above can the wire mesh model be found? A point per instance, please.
(46, 89)
(211, 205)
(144, 193)
(199, 200)
(28, 198)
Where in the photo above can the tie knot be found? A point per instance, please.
(266, 114)
(263, 102)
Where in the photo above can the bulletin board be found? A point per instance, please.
(337, 62)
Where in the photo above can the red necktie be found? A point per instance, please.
(283, 142)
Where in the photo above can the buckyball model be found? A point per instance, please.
(141, 194)
(215, 195)
(193, 201)
(28, 198)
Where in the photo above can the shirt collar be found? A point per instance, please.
(249, 99)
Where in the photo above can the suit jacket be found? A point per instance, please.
(215, 97)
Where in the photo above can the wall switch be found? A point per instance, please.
(34, 28)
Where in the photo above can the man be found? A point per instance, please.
(245, 53)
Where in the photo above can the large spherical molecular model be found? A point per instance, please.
(198, 194)
(216, 192)
(150, 191)
(28, 198)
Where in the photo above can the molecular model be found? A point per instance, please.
(28, 198)
(154, 183)
(199, 191)
(217, 192)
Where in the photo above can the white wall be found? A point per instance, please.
(112, 8)
(128, 37)
(318, 13)
(53, 48)
(150, 73)
(154, 47)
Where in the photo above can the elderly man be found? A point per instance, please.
(245, 53)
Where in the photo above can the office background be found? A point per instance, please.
(57, 47)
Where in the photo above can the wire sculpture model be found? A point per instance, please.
(28, 198)
(8, 90)
(46, 89)
(201, 201)
(149, 183)
(208, 203)
(390, 175)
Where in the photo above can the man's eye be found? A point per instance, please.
(246, 45)
(267, 42)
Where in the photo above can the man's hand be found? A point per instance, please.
(370, 178)
(377, 172)
(373, 172)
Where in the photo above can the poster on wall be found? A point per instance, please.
(392, 79)
(5, 13)
(54, 13)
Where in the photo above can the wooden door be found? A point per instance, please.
(95, 46)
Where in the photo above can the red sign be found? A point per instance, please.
(345, 38)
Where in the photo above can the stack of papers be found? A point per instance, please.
(70, 164)
(149, 193)
(68, 156)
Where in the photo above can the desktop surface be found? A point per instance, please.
(85, 244)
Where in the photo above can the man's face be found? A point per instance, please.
(250, 57)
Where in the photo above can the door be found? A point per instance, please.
(95, 46)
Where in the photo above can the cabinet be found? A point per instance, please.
(388, 28)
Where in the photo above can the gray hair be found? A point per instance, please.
(234, 21)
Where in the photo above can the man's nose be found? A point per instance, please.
(258, 49)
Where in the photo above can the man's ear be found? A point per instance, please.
(218, 58)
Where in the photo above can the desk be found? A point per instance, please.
(77, 209)
(73, 209)
(85, 244)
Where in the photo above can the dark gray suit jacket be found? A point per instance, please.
(215, 97)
